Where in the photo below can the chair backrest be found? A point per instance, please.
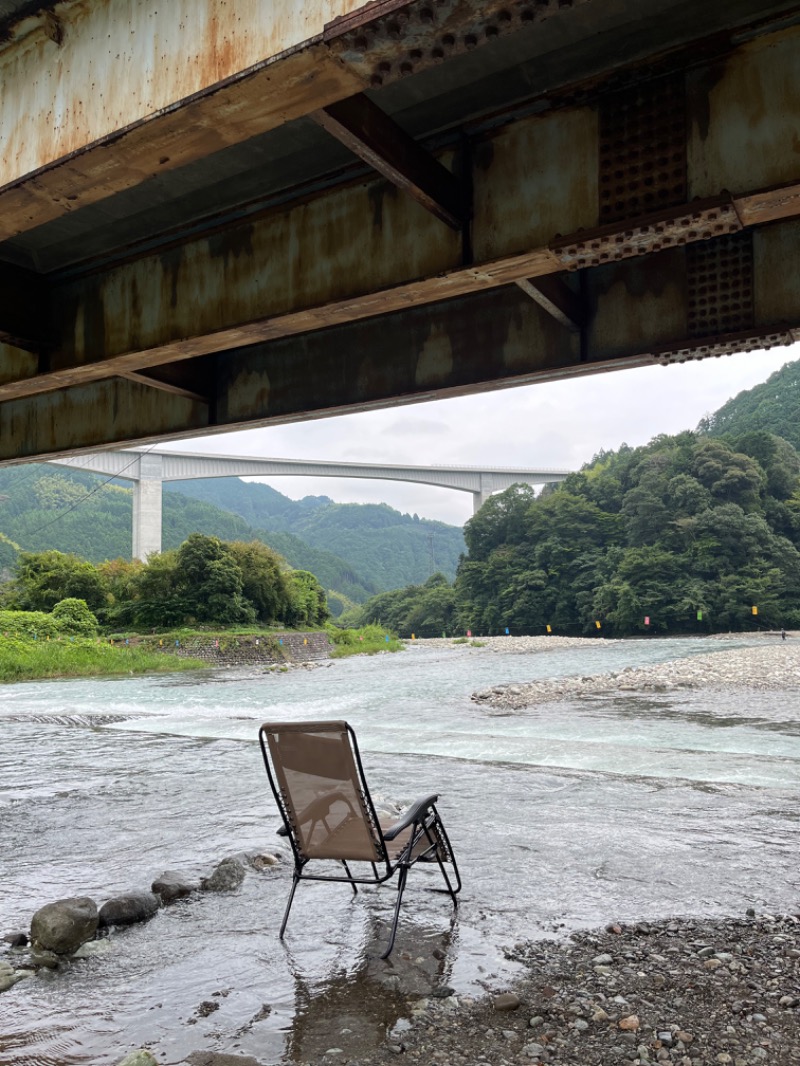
(318, 782)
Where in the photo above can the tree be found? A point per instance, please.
(307, 603)
(45, 578)
(209, 582)
(502, 518)
(74, 616)
(264, 581)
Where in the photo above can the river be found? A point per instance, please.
(566, 815)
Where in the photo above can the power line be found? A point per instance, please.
(83, 499)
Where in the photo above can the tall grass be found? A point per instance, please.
(29, 660)
(368, 640)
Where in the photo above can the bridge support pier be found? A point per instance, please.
(147, 508)
(487, 488)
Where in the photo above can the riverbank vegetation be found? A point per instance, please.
(687, 534)
(205, 582)
(367, 640)
(29, 659)
(65, 617)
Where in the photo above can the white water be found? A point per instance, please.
(567, 814)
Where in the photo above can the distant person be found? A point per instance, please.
(783, 634)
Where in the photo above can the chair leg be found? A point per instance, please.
(352, 882)
(441, 832)
(295, 880)
(401, 884)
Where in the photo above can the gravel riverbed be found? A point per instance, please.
(694, 993)
(773, 666)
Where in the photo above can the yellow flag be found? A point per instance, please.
(305, 640)
(754, 610)
(413, 637)
(549, 629)
(598, 625)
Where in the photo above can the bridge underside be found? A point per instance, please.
(380, 203)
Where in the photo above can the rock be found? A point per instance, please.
(93, 948)
(684, 1037)
(16, 940)
(227, 877)
(64, 925)
(535, 1051)
(506, 1001)
(630, 1023)
(47, 960)
(130, 908)
(603, 960)
(142, 1057)
(172, 885)
(263, 861)
(9, 976)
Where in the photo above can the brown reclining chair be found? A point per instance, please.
(317, 778)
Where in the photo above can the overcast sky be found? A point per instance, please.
(559, 424)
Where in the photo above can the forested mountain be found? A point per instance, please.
(773, 407)
(354, 550)
(689, 532)
(390, 548)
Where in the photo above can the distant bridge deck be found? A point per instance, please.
(149, 469)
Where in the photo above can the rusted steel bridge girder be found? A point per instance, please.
(624, 214)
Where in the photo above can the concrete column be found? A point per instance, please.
(147, 507)
(480, 498)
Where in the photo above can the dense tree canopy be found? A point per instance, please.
(204, 582)
(689, 531)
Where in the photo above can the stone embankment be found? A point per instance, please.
(252, 649)
(773, 666)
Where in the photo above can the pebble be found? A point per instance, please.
(738, 1013)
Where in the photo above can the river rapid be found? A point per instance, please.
(619, 807)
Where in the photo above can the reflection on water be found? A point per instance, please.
(563, 815)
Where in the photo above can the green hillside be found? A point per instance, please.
(686, 535)
(391, 548)
(773, 407)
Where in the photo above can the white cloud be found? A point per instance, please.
(560, 424)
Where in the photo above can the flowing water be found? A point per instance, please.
(565, 815)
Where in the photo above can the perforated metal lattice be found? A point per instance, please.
(413, 35)
(643, 150)
(720, 285)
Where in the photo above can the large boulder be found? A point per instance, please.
(172, 885)
(130, 908)
(227, 877)
(64, 925)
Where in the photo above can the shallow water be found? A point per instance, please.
(563, 815)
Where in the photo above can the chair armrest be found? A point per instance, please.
(410, 816)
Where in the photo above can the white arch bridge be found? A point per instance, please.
(149, 469)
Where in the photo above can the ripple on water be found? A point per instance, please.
(564, 815)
